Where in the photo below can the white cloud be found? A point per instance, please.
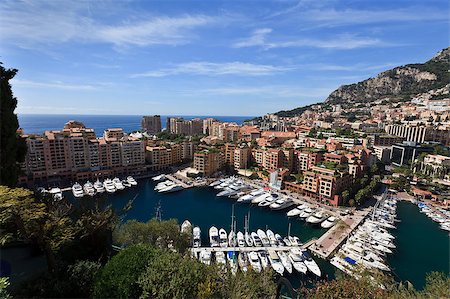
(272, 91)
(56, 84)
(343, 42)
(30, 23)
(215, 69)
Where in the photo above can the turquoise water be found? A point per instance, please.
(422, 247)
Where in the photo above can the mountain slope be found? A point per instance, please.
(400, 82)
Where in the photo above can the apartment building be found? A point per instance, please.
(151, 124)
(75, 153)
(207, 162)
(387, 140)
(306, 160)
(272, 159)
(229, 154)
(420, 134)
(178, 125)
(335, 158)
(242, 158)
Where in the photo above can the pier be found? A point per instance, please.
(178, 181)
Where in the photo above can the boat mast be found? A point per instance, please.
(289, 229)
(158, 211)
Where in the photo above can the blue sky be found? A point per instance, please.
(206, 57)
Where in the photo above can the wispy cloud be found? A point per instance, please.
(28, 23)
(349, 68)
(55, 84)
(342, 42)
(216, 69)
(272, 91)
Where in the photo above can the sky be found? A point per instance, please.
(206, 57)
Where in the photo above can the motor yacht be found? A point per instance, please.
(281, 204)
(131, 181)
(248, 239)
(109, 186)
(205, 257)
(77, 190)
(306, 213)
(329, 222)
(118, 184)
(99, 188)
(223, 238)
(287, 242)
(311, 264)
(262, 235)
(172, 188)
(295, 241)
(251, 195)
(260, 198)
(243, 261)
(279, 240)
(275, 262)
(256, 240)
(220, 258)
(215, 183)
(88, 189)
(56, 193)
(186, 227)
(163, 185)
(158, 178)
(254, 261)
(240, 239)
(266, 202)
(214, 236)
(232, 241)
(126, 184)
(273, 241)
(294, 212)
(296, 259)
(197, 239)
(284, 258)
(316, 218)
(263, 259)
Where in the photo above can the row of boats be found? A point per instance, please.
(243, 193)
(108, 185)
(369, 244)
(270, 249)
(440, 216)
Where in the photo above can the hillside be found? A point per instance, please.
(398, 84)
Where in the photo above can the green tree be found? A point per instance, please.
(12, 146)
(119, 277)
(4, 284)
(25, 216)
(345, 196)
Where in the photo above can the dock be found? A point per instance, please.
(178, 181)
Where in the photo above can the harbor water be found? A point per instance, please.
(422, 246)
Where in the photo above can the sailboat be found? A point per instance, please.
(247, 236)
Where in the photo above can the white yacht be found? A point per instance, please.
(56, 193)
(248, 239)
(306, 213)
(163, 185)
(126, 184)
(316, 218)
(214, 236)
(294, 212)
(295, 241)
(215, 183)
(232, 241)
(296, 258)
(109, 186)
(264, 240)
(118, 184)
(287, 242)
(158, 178)
(329, 222)
(266, 202)
(240, 239)
(77, 190)
(99, 188)
(260, 198)
(311, 264)
(196, 234)
(256, 240)
(205, 257)
(243, 261)
(172, 188)
(285, 261)
(186, 227)
(263, 259)
(88, 188)
(251, 195)
(279, 240)
(223, 238)
(281, 204)
(220, 258)
(254, 261)
(273, 241)
(275, 262)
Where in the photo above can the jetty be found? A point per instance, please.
(178, 181)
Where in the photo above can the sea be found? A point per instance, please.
(38, 123)
(422, 247)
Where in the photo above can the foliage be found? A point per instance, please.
(82, 275)
(165, 135)
(119, 277)
(160, 234)
(12, 146)
(293, 112)
(25, 216)
(4, 284)
(172, 276)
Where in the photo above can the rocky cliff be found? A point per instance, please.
(400, 83)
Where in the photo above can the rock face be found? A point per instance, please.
(401, 82)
